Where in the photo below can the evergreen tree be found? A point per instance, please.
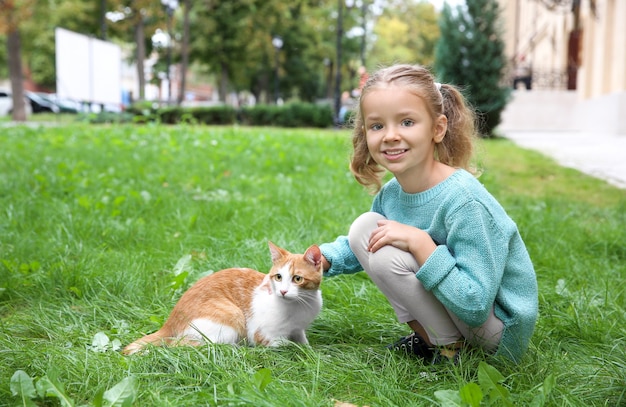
(470, 54)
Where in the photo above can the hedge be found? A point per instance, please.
(296, 114)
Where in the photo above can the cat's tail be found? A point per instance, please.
(157, 339)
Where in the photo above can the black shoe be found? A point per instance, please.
(414, 345)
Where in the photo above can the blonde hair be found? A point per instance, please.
(457, 146)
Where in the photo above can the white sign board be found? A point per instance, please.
(88, 69)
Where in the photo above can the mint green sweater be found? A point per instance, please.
(480, 260)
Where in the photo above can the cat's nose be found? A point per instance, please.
(283, 292)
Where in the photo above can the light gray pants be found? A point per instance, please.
(393, 271)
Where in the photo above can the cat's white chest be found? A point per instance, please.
(277, 320)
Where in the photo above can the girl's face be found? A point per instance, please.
(401, 135)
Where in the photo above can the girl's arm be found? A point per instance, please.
(465, 272)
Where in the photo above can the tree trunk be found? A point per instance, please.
(141, 56)
(223, 84)
(16, 75)
(185, 53)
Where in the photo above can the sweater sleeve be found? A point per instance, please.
(465, 272)
(341, 258)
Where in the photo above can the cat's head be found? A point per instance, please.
(294, 275)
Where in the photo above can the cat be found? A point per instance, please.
(240, 304)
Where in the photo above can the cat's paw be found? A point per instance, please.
(134, 348)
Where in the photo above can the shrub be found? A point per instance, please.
(296, 114)
(214, 115)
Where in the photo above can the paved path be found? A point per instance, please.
(600, 155)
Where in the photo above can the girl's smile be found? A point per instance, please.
(394, 154)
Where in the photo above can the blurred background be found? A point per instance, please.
(560, 62)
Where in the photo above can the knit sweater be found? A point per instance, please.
(480, 261)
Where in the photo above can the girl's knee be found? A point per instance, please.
(364, 225)
(359, 236)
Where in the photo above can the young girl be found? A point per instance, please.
(440, 248)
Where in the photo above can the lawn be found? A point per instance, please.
(103, 227)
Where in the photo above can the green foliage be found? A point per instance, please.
(233, 40)
(470, 54)
(199, 115)
(230, 40)
(27, 390)
(406, 32)
(295, 114)
(289, 115)
(103, 227)
(489, 391)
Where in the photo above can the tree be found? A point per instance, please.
(140, 19)
(233, 40)
(470, 54)
(13, 12)
(184, 51)
(406, 32)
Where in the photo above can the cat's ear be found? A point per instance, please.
(265, 284)
(313, 255)
(276, 252)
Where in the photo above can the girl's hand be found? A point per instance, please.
(404, 237)
(392, 233)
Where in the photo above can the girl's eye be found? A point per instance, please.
(376, 127)
(407, 123)
(278, 277)
(297, 279)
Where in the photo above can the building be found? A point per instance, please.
(577, 52)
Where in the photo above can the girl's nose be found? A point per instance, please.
(391, 134)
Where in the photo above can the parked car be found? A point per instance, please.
(6, 104)
(39, 104)
(65, 106)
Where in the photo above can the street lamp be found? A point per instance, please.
(170, 7)
(277, 42)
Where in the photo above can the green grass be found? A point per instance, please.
(96, 222)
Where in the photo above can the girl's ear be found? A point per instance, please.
(441, 126)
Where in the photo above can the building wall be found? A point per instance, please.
(603, 69)
(542, 34)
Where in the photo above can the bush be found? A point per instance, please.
(201, 115)
(295, 114)
(143, 111)
(260, 115)
(214, 115)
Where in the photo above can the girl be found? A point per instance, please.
(440, 248)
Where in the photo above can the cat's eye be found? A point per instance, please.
(278, 277)
(297, 279)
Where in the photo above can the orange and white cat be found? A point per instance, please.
(239, 304)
